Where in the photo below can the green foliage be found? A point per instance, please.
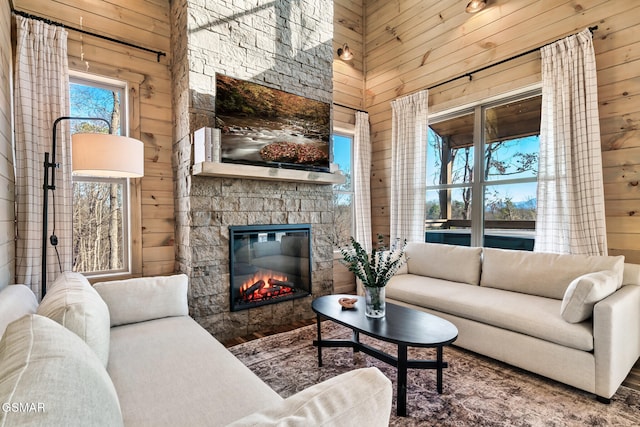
(377, 268)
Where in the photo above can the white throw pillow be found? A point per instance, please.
(145, 298)
(584, 292)
(73, 303)
(356, 398)
(49, 377)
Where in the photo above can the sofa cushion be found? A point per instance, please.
(15, 302)
(72, 302)
(526, 314)
(49, 368)
(361, 397)
(544, 274)
(449, 262)
(584, 292)
(187, 378)
(145, 298)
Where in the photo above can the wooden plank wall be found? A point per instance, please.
(145, 23)
(414, 44)
(348, 78)
(7, 213)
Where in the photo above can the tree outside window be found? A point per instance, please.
(100, 205)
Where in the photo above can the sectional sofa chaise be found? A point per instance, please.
(572, 318)
(127, 353)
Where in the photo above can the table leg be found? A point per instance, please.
(401, 402)
(439, 369)
(319, 340)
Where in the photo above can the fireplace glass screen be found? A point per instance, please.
(269, 264)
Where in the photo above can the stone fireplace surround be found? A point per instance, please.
(281, 44)
(217, 203)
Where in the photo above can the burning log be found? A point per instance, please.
(281, 283)
(255, 287)
(261, 288)
(270, 290)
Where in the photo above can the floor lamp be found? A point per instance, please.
(93, 154)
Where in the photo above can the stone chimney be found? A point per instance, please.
(281, 44)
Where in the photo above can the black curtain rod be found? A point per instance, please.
(100, 36)
(350, 108)
(470, 73)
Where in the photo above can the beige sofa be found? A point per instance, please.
(127, 353)
(575, 319)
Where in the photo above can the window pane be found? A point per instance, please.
(343, 193)
(449, 216)
(512, 140)
(509, 216)
(342, 157)
(450, 151)
(343, 217)
(100, 232)
(98, 226)
(91, 101)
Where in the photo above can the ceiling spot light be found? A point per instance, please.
(344, 53)
(476, 6)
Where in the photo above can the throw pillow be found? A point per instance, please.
(584, 292)
(73, 303)
(145, 298)
(49, 377)
(356, 398)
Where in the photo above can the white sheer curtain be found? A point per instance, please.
(362, 180)
(41, 96)
(408, 166)
(570, 213)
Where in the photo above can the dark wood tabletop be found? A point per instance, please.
(400, 325)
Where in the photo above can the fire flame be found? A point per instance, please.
(266, 288)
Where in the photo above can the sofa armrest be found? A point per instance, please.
(357, 398)
(145, 298)
(616, 335)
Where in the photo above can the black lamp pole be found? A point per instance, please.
(51, 185)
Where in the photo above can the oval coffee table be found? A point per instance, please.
(403, 326)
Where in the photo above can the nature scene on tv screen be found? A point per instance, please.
(270, 127)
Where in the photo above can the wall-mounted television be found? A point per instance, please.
(269, 127)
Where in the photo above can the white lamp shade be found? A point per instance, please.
(99, 154)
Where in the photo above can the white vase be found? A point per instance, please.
(375, 303)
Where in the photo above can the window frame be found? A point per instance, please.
(478, 182)
(129, 187)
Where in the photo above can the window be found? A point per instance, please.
(100, 205)
(482, 165)
(343, 193)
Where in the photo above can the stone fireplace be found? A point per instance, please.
(281, 44)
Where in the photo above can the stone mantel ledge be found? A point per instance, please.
(233, 170)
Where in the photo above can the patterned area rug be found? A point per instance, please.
(478, 391)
